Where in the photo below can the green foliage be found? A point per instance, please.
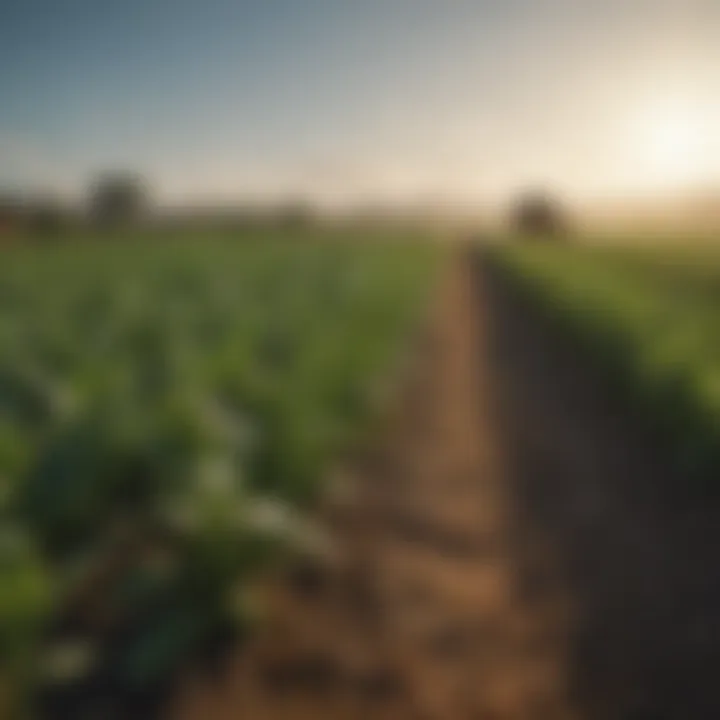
(188, 393)
(26, 596)
(650, 319)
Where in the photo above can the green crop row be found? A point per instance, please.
(166, 413)
(650, 319)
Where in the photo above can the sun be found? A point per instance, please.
(673, 143)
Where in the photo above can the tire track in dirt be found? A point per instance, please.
(434, 611)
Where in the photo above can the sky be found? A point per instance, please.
(345, 99)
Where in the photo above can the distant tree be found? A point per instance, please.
(118, 200)
(536, 214)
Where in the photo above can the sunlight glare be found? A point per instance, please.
(674, 142)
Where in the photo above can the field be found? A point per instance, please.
(167, 412)
(526, 542)
(403, 480)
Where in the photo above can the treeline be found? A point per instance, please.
(123, 201)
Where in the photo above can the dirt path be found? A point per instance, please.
(429, 615)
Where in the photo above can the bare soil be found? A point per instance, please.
(509, 549)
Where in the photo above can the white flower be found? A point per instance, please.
(269, 515)
(216, 474)
(69, 660)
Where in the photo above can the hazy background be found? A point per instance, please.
(382, 100)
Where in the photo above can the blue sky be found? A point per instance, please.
(347, 98)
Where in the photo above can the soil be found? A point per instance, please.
(509, 549)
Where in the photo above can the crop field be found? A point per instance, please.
(167, 410)
(527, 435)
(648, 318)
